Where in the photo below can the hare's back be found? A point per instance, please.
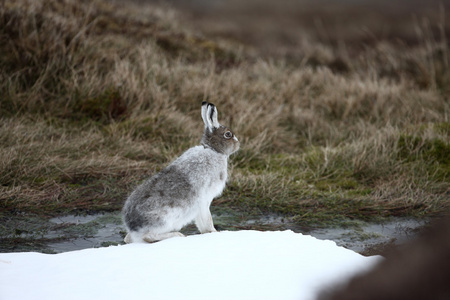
(170, 187)
(201, 161)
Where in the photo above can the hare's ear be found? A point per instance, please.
(204, 108)
(209, 116)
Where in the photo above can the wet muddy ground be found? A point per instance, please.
(75, 232)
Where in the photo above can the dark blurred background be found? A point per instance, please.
(282, 27)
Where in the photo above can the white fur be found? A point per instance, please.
(205, 171)
(205, 167)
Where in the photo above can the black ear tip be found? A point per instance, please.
(204, 103)
(212, 105)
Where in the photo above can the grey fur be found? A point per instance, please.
(215, 140)
(168, 189)
(180, 193)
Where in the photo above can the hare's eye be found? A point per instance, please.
(228, 135)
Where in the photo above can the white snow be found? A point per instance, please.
(221, 265)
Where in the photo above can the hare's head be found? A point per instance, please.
(217, 137)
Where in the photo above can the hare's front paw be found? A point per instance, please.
(210, 231)
(127, 239)
(204, 222)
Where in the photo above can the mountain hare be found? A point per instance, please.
(184, 190)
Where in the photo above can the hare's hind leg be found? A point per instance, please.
(133, 237)
(154, 237)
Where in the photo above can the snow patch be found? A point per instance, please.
(221, 265)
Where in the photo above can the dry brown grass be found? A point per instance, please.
(96, 96)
